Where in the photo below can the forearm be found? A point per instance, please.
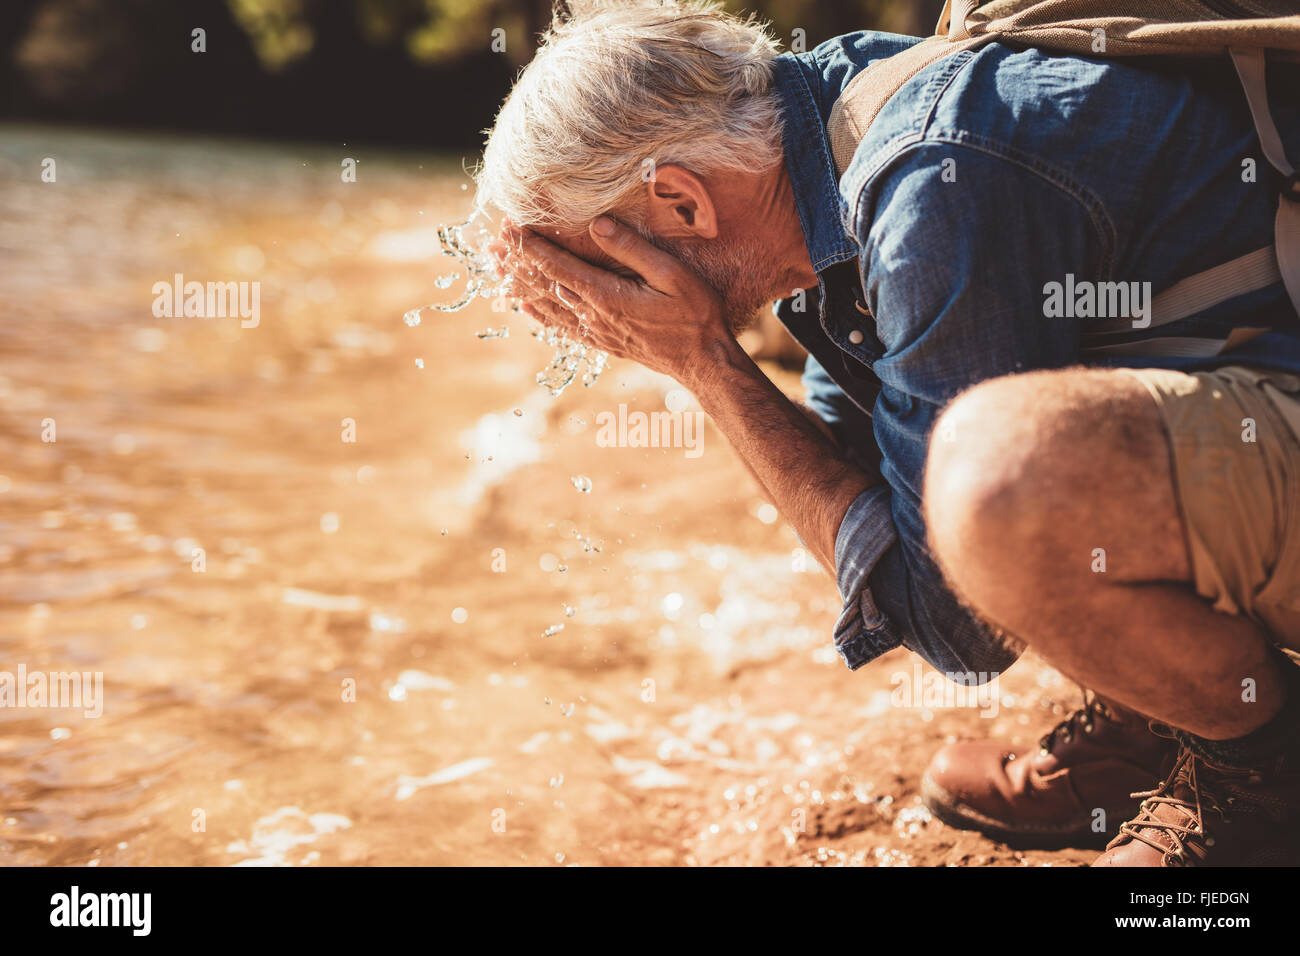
(817, 422)
(794, 459)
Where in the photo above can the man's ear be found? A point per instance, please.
(679, 205)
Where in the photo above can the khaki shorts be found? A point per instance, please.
(1234, 438)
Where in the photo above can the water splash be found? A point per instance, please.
(477, 267)
(466, 243)
(587, 544)
(571, 358)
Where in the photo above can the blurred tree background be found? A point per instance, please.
(417, 72)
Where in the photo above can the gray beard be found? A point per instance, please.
(734, 269)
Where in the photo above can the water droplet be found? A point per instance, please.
(672, 605)
(582, 483)
(386, 624)
(553, 630)
(587, 544)
(419, 363)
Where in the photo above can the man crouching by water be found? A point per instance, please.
(664, 174)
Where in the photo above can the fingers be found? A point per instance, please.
(567, 296)
(541, 299)
(497, 249)
(624, 244)
(550, 315)
(529, 282)
(561, 266)
(554, 316)
(539, 287)
(581, 324)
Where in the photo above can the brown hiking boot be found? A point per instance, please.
(1206, 815)
(1050, 796)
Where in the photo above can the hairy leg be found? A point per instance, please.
(1051, 507)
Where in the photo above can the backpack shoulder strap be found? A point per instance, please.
(868, 92)
(1124, 28)
(1106, 28)
(1250, 66)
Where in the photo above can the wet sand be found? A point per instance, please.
(322, 651)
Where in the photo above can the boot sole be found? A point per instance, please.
(953, 812)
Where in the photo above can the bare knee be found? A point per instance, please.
(977, 481)
(1033, 480)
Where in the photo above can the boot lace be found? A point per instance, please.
(1188, 826)
(1083, 718)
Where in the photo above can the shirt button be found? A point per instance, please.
(856, 337)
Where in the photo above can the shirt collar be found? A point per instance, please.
(808, 161)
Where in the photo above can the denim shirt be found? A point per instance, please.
(987, 176)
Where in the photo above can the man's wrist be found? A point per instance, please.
(712, 364)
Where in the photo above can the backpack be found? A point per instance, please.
(1242, 29)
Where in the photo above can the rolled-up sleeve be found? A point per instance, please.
(862, 632)
(867, 529)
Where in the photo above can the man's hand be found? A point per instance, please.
(670, 320)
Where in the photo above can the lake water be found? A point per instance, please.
(319, 562)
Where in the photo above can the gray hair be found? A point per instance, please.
(616, 83)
